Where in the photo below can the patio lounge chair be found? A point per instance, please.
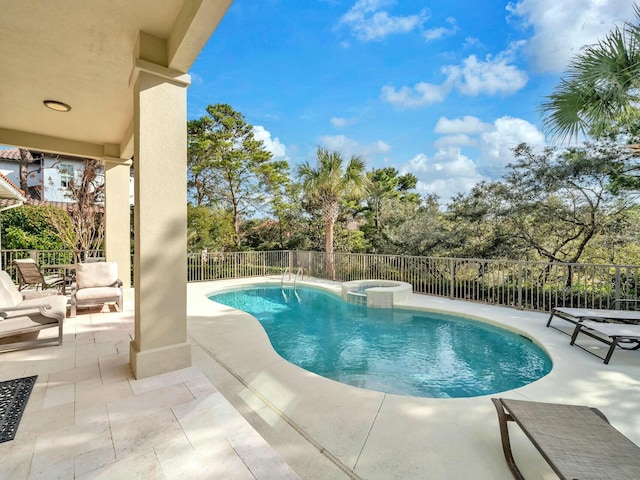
(576, 441)
(96, 283)
(577, 315)
(29, 274)
(19, 316)
(613, 334)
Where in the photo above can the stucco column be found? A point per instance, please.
(160, 219)
(117, 237)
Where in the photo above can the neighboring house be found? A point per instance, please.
(10, 195)
(48, 175)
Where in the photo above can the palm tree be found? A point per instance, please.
(600, 89)
(329, 185)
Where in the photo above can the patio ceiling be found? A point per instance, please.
(83, 53)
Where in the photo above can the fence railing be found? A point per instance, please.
(203, 266)
(44, 257)
(525, 285)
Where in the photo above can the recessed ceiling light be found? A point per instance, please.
(57, 106)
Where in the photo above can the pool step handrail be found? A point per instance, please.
(298, 272)
(286, 270)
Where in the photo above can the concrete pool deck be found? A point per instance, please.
(327, 430)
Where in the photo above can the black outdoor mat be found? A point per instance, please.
(14, 395)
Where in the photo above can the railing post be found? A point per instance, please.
(235, 264)
(618, 286)
(203, 259)
(519, 304)
(453, 277)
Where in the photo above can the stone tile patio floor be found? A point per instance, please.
(88, 418)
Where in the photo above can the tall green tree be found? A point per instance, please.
(229, 167)
(208, 228)
(331, 183)
(600, 88)
(412, 227)
(386, 185)
(551, 205)
(479, 224)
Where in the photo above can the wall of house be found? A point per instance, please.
(49, 175)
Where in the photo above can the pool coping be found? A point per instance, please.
(375, 435)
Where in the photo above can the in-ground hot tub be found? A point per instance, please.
(376, 293)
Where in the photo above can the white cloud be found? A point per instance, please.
(441, 32)
(273, 145)
(348, 147)
(341, 122)
(449, 172)
(492, 76)
(368, 21)
(420, 95)
(561, 28)
(467, 124)
(196, 79)
(507, 133)
(493, 141)
(460, 140)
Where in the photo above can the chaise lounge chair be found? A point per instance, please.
(19, 316)
(576, 441)
(577, 315)
(613, 334)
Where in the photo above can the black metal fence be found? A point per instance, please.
(526, 285)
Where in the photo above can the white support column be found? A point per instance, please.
(118, 216)
(160, 218)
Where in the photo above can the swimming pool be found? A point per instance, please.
(406, 352)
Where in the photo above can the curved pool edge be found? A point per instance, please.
(369, 430)
(402, 373)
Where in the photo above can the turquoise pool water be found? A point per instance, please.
(406, 352)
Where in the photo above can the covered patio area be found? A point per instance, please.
(108, 80)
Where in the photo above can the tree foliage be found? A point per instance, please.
(387, 186)
(209, 229)
(557, 205)
(550, 206)
(229, 168)
(31, 227)
(600, 89)
(331, 183)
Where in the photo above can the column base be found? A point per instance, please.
(159, 360)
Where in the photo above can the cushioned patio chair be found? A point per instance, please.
(19, 316)
(29, 274)
(576, 441)
(96, 283)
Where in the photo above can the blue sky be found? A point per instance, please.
(440, 89)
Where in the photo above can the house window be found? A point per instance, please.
(66, 174)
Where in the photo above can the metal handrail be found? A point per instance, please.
(301, 272)
(283, 275)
